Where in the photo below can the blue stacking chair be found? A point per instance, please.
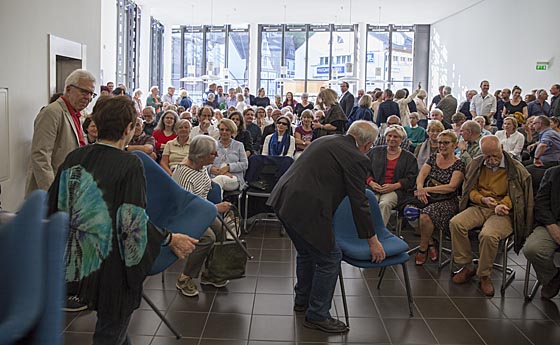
(355, 251)
(22, 250)
(171, 207)
(50, 323)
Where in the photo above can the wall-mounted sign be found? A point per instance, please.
(542, 66)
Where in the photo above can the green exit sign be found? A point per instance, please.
(542, 66)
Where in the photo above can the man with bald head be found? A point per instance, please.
(497, 196)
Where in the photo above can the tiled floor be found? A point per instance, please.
(258, 309)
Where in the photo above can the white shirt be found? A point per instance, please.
(483, 105)
(512, 145)
(212, 131)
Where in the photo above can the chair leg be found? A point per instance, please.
(381, 275)
(163, 277)
(529, 294)
(442, 263)
(508, 274)
(343, 290)
(245, 218)
(408, 289)
(161, 316)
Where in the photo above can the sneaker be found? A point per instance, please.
(186, 285)
(215, 283)
(329, 325)
(73, 304)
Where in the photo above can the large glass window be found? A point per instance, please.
(212, 54)
(272, 60)
(156, 57)
(128, 40)
(176, 68)
(389, 57)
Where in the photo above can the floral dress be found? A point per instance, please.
(441, 212)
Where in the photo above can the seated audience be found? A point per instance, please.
(430, 145)
(457, 121)
(547, 150)
(193, 176)
(303, 134)
(243, 135)
(278, 101)
(90, 130)
(484, 125)
(361, 112)
(255, 130)
(415, 134)
(393, 171)
(218, 115)
(555, 124)
(141, 141)
(176, 150)
(187, 115)
(470, 145)
(269, 129)
(539, 106)
(436, 190)
(205, 126)
(165, 130)
(544, 241)
(268, 116)
(512, 141)
(437, 114)
(230, 164)
(150, 123)
(290, 101)
(281, 142)
(241, 105)
(380, 141)
(492, 183)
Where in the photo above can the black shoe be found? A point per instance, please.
(329, 325)
(74, 304)
(551, 289)
(300, 308)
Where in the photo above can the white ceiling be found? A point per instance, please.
(177, 12)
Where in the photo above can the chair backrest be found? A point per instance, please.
(50, 324)
(171, 207)
(267, 168)
(215, 194)
(22, 250)
(346, 234)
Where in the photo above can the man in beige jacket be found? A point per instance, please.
(57, 129)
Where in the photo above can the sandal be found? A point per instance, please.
(420, 257)
(433, 251)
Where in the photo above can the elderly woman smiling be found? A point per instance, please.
(177, 150)
(393, 171)
(280, 143)
(231, 162)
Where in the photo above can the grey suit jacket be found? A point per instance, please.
(54, 136)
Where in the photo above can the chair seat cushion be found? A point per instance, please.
(359, 249)
(389, 261)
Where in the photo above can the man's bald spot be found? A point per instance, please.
(489, 143)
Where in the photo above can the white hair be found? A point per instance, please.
(363, 131)
(75, 77)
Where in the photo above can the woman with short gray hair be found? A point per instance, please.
(303, 105)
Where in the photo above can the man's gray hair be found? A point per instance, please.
(447, 90)
(473, 126)
(363, 131)
(202, 146)
(77, 75)
(151, 109)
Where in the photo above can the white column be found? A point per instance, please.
(361, 55)
(253, 56)
(166, 58)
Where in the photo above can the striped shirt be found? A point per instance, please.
(195, 181)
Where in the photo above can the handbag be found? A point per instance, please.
(232, 220)
(228, 260)
(437, 197)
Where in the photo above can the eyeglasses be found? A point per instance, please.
(215, 154)
(282, 123)
(444, 143)
(84, 91)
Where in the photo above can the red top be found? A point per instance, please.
(162, 139)
(390, 170)
(76, 119)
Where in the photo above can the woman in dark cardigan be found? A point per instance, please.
(334, 121)
(393, 172)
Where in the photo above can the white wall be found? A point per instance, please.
(108, 26)
(497, 40)
(24, 69)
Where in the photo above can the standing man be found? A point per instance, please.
(497, 196)
(346, 100)
(328, 171)
(169, 97)
(484, 103)
(57, 129)
(387, 108)
(361, 92)
(555, 100)
(231, 99)
(111, 87)
(448, 104)
(249, 99)
(221, 98)
(465, 106)
(437, 98)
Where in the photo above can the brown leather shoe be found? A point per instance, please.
(463, 275)
(551, 289)
(486, 286)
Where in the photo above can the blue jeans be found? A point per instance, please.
(317, 274)
(111, 332)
